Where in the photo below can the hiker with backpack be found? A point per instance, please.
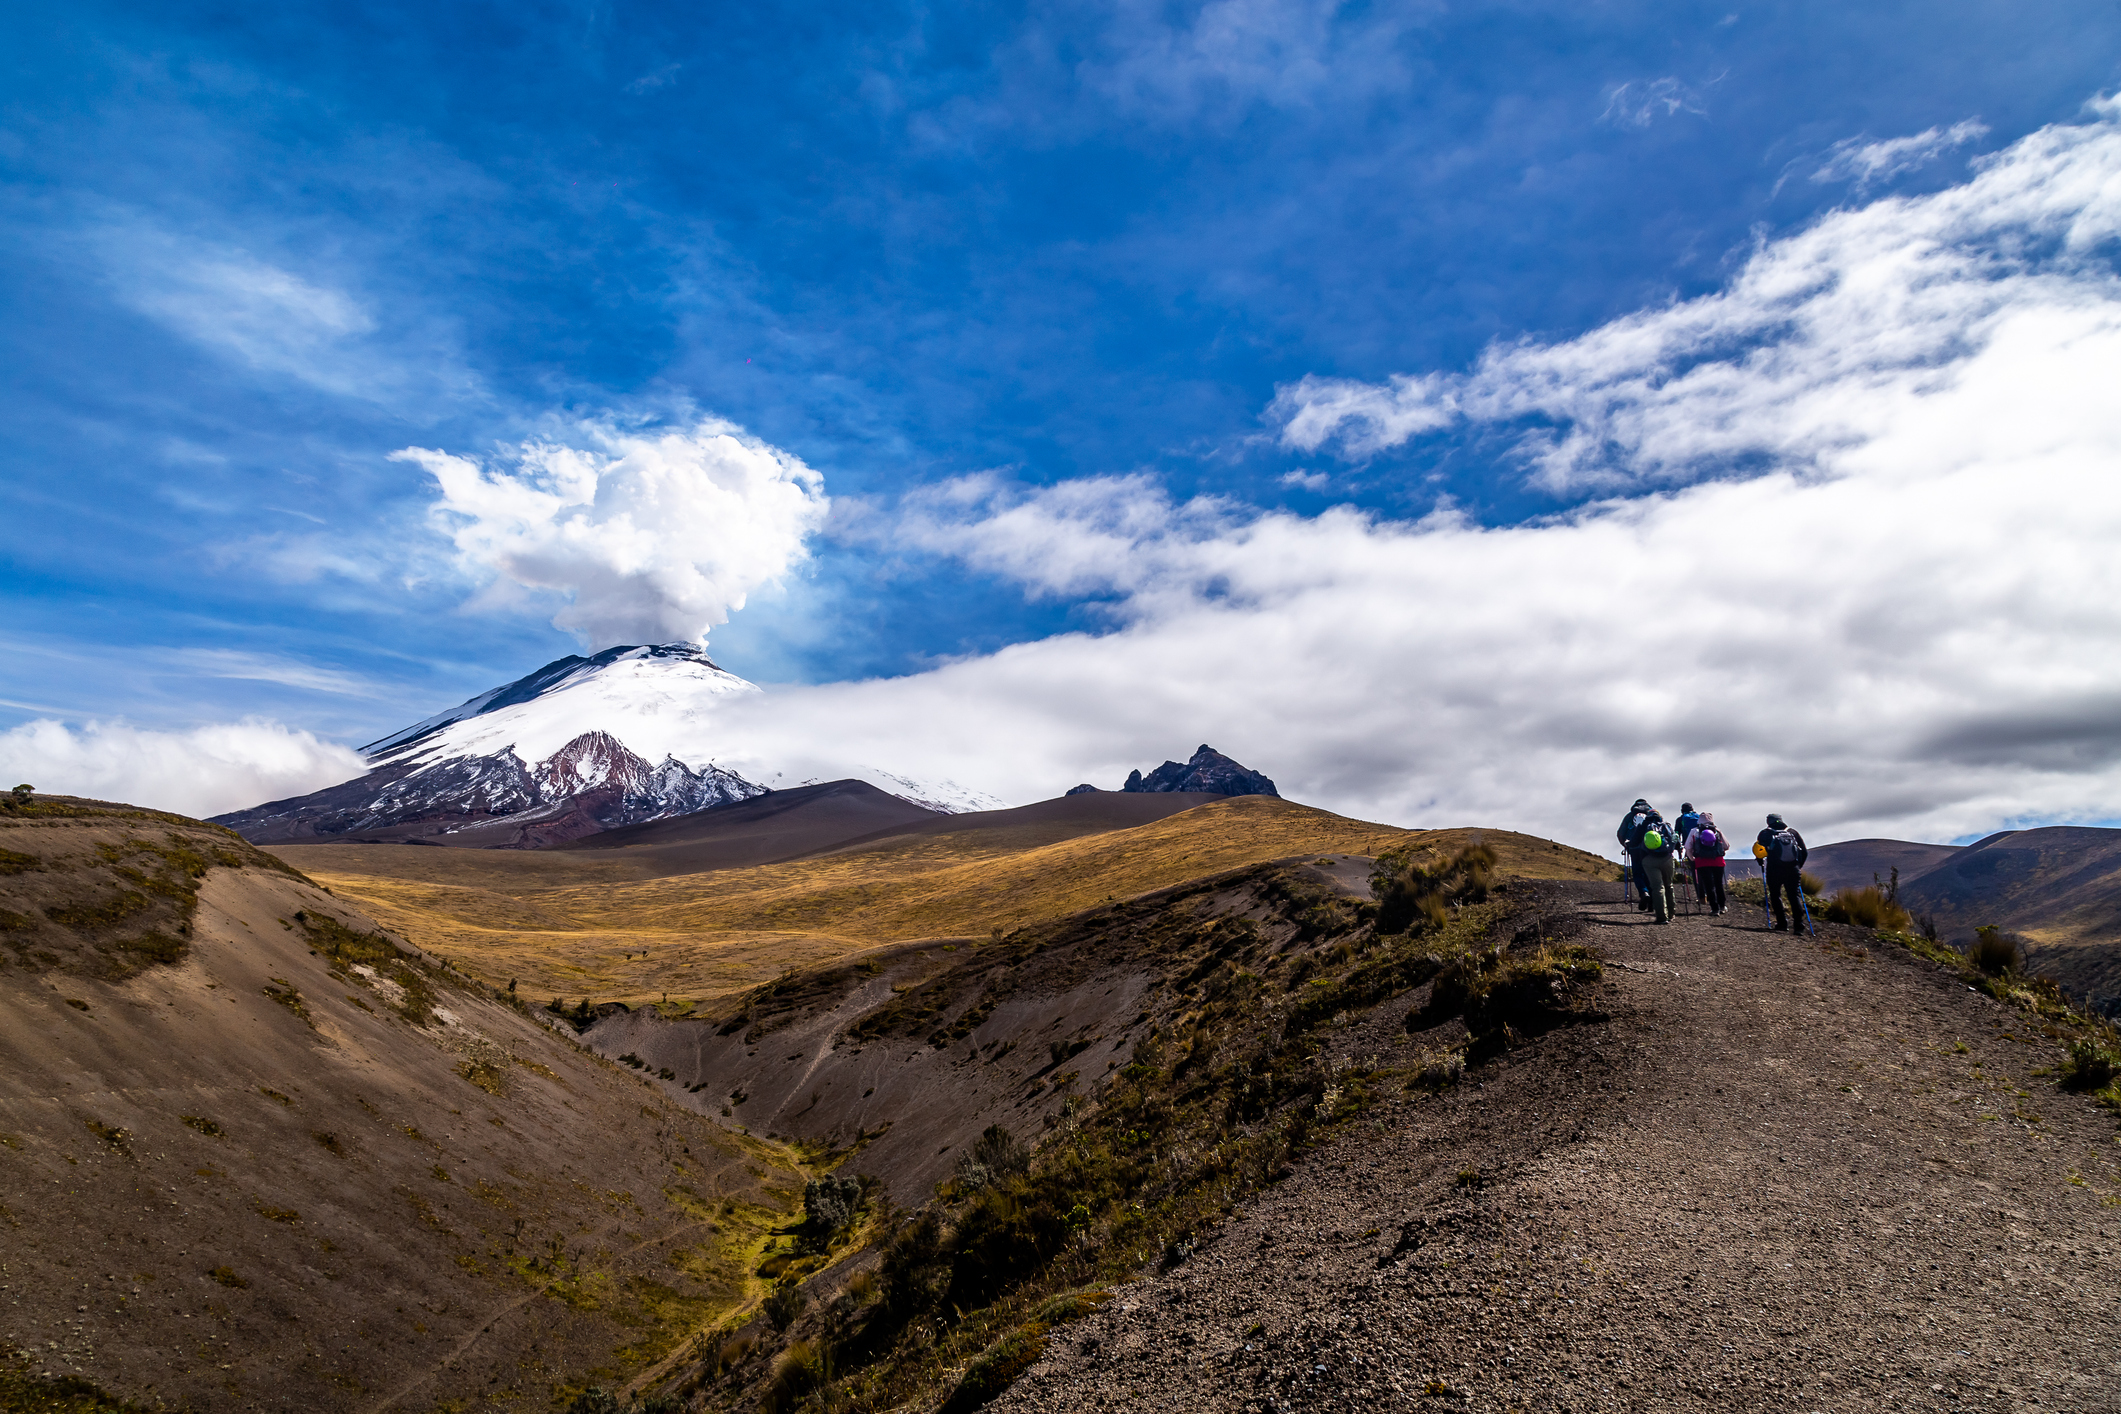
(1705, 849)
(1689, 820)
(1630, 828)
(1784, 863)
(1652, 844)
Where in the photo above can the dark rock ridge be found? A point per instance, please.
(1209, 771)
(592, 783)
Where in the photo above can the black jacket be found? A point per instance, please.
(1651, 821)
(1628, 829)
(1767, 837)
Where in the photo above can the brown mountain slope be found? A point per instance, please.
(253, 1154)
(2059, 886)
(697, 936)
(783, 824)
(1853, 864)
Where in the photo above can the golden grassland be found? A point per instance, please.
(572, 924)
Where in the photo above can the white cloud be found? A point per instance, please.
(1818, 347)
(654, 534)
(1640, 102)
(1306, 480)
(1904, 617)
(1866, 163)
(205, 771)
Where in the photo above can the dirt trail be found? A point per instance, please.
(1770, 1179)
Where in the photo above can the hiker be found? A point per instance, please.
(1689, 820)
(1653, 846)
(1630, 826)
(1785, 872)
(1705, 849)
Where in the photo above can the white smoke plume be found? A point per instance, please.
(653, 535)
(204, 771)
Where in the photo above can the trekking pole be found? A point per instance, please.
(1809, 931)
(1767, 911)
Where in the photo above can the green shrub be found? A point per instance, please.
(829, 1206)
(1866, 908)
(994, 1156)
(1811, 884)
(1995, 952)
(2089, 1066)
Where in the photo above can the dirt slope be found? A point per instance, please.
(1781, 1175)
(237, 1171)
(535, 918)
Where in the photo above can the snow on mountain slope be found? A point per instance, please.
(658, 700)
(561, 753)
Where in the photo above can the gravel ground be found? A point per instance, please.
(1777, 1173)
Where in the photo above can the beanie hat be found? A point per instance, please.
(1777, 822)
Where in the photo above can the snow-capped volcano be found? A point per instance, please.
(658, 700)
(581, 745)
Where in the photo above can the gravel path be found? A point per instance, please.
(1780, 1174)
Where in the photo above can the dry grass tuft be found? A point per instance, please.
(1868, 907)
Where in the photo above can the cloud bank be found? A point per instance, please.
(205, 771)
(1864, 573)
(653, 535)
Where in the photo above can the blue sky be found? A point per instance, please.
(251, 253)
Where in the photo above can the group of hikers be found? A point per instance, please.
(1657, 849)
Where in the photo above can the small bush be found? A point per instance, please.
(1811, 884)
(1438, 1070)
(829, 1206)
(1995, 951)
(785, 1304)
(596, 1400)
(201, 1123)
(802, 1368)
(994, 1156)
(227, 1277)
(994, 1369)
(1866, 908)
(2089, 1066)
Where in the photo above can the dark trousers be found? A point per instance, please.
(1709, 884)
(1659, 868)
(1785, 881)
(1642, 881)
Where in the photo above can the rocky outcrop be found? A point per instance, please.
(1088, 789)
(592, 783)
(1209, 771)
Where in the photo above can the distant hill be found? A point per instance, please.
(2059, 886)
(1852, 864)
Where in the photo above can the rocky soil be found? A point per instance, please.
(1779, 1173)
